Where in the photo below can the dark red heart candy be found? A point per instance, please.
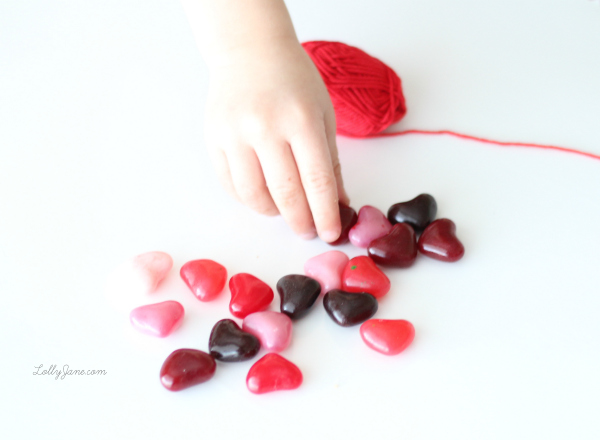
(418, 212)
(298, 293)
(348, 309)
(229, 343)
(397, 249)
(186, 367)
(348, 218)
(439, 241)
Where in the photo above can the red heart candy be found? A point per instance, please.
(387, 336)
(398, 248)
(439, 241)
(362, 275)
(248, 295)
(205, 278)
(273, 373)
(186, 367)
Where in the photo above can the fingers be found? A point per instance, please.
(314, 161)
(248, 181)
(301, 180)
(335, 161)
(285, 187)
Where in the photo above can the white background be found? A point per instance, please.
(101, 158)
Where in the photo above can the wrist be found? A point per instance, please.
(258, 50)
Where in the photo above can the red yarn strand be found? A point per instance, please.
(483, 140)
(367, 96)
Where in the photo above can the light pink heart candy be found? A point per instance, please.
(371, 224)
(327, 269)
(149, 269)
(159, 319)
(273, 329)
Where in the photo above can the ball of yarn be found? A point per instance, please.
(366, 93)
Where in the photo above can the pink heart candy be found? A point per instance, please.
(159, 319)
(371, 224)
(149, 269)
(273, 329)
(327, 269)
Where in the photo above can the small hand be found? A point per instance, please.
(270, 131)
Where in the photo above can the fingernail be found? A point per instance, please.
(329, 236)
(308, 235)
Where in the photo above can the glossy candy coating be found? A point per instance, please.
(418, 212)
(387, 336)
(229, 343)
(362, 275)
(298, 293)
(327, 269)
(159, 319)
(205, 278)
(396, 249)
(186, 367)
(371, 224)
(348, 309)
(248, 295)
(273, 329)
(348, 218)
(273, 372)
(439, 241)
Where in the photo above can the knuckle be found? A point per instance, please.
(307, 121)
(320, 182)
(255, 127)
(286, 195)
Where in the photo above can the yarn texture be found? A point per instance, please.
(366, 94)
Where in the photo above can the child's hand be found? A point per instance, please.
(270, 130)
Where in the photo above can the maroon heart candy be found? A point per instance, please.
(397, 249)
(418, 212)
(348, 218)
(439, 241)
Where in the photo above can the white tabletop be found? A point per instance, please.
(101, 158)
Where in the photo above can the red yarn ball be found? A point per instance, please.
(366, 93)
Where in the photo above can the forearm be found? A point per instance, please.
(223, 28)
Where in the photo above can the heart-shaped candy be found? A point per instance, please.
(159, 319)
(229, 343)
(150, 269)
(439, 241)
(273, 373)
(186, 367)
(248, 295)
(387, 336)
(362, 275)
(273, 329)
(327, 269)
(205, 278)
(397, 249)
(348, 218)
(347, 309)
(298, 293)
(418, 212)
(371, 224)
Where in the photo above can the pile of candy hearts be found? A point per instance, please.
(351, 288)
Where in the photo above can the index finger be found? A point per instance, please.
(313, 158)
